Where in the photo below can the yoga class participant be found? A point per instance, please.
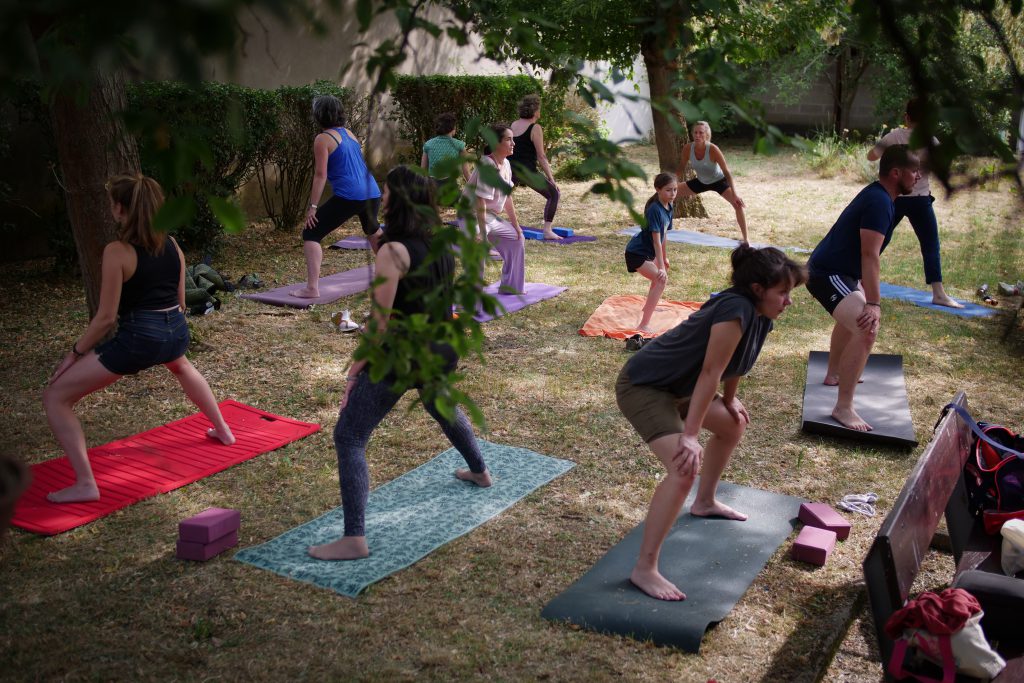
(143, 290)
(443, 146)
(708, 163)
(409, 274)
(337, 157)
(505, 235)
(669, 391)
(917, 206)
(844, 275)
(529, 152)
(645, 252)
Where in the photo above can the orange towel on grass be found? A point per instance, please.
(618, 316)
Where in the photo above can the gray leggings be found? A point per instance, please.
(367, 405)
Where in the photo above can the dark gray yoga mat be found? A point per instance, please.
(711, 560)
(881, 400)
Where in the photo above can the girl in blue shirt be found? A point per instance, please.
(645, 252)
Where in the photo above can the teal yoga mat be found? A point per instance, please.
(713, 561)
(408, 518)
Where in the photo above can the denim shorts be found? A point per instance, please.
(144, 339)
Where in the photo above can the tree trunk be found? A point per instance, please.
(92, 145)
(660, 74)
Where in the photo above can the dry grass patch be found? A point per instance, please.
(109, 601)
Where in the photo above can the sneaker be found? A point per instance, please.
(636, 342)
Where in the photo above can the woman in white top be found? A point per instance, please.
(503, 233)
(708, 163)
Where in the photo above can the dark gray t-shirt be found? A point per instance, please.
(673, 361)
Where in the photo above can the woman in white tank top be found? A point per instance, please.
(708, 163)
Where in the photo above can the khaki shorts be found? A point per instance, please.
(653, 412)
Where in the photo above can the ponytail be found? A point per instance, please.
(141, 197)
(660, 181)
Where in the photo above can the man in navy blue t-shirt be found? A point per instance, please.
(844, 275)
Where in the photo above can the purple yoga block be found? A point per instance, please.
(209, 525)
(201, 552)
(823, 516)
(814, 545)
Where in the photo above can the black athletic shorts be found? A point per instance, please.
(831, 289)
(336, 210)
(696, 186)
(634, 261)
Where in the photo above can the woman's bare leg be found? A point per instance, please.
(198, 391)
(741, 218)
(86, 376)
(725, 435)
(665, 505)
(314, 254)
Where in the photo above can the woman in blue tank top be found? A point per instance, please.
(404, 264)
(708, 162)
(143, 290)
(338, 158)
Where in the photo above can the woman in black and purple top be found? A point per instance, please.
(143, 290)
(408, 274)
(529, 153)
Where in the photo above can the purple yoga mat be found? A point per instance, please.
(535, 291)
(332, 287)
(351, 242)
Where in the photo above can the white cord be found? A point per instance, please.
(861, 503)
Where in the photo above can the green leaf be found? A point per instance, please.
(228, 213)
(175, 212)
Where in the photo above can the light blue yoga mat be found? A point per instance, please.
(409, 517)
(920, 298)
(703, 240)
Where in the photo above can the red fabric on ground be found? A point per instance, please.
(618, 316)
(938, 613)
(156, 461)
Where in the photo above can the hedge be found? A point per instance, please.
(487, 99)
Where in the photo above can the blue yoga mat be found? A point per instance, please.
(703, 240)
(920, 298)
(409, 517)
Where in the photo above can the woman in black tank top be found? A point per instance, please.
(410, 277)
(144, 285)
(529, 153)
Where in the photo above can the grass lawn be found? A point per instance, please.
(109, 601)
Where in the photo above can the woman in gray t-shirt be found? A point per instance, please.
(668, 392)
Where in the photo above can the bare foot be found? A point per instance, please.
(226, 439)
(552, 235)
(495, 256)
(717, 509)
(833, 381)
(645, 330)
(305, 293)
(345, 548)
(849, 418)
(483, 479)
(76, 493)
(655, 585)
(946, 301)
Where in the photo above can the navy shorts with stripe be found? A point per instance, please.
(829, 290)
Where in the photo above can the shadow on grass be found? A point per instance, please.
(825, 619)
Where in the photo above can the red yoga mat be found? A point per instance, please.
(157, 461)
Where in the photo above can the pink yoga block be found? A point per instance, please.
(823, 516)
(201, 552)
(814, 545)
(209, 525)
